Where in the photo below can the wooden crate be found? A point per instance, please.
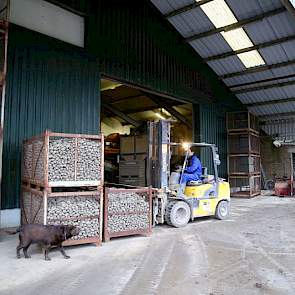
(243, 164)
(133, 144)
(241, 121)
(42, 207)
(44, 166)
(243, 143)
(119, 210)
(245, 186)
(133, 168)
(132, 180)
(132, 172)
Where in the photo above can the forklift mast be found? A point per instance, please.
(159, 154)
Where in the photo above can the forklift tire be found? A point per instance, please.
(178, 213)
(222, 210)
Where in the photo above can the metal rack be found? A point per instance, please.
(243, 154)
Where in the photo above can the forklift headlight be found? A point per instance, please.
(186, 145)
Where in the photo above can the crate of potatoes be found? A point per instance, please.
(127, 212)
(63, 160)
(83, 209)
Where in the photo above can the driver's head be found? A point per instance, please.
(190, 152)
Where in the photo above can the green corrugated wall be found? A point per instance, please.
(133, 41)
(54, 85)
(212, 129)
(50, 85)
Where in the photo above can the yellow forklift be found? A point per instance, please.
(209, 196)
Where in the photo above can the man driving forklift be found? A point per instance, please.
(192, 171)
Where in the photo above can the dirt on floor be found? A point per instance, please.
(253, 252)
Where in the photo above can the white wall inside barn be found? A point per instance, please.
(48, 19)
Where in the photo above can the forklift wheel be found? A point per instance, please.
(177, 213)
(222, 210)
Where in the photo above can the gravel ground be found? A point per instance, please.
(253, 252)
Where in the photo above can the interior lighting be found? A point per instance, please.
(186, 145)
(160, 116)
(221, 15)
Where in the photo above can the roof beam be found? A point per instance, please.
(140, 110)
(177, 115)
(259, 69)
(186, 8)
(261, 81)
(289, 6)
(121, 115)
(237, 25)
(282, 84)
(108, 99)
(148, 108)
(171, 110)
(258, 46)
(278, 116)
(270, 102)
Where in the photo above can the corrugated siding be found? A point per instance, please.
(133, 41)
(280, 129)
(213, 130)
(270, 29)
(48, 87)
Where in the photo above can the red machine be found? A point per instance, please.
(283, 188)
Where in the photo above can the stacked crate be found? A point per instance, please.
(62, 183)
(132, 166)
(243, 154)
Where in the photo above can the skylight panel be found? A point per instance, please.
(251, 58)
(219, 13)
(237, 39)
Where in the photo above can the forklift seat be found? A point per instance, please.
(204, 175)
(194, 183)
(204, 178)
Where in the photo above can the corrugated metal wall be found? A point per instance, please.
(53, 85)
(213, 130)
(48, 87)
(134, 42)
(283, 129)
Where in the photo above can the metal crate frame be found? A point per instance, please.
(247, 193)
(147, 232)
(46, 195)
(251, 122)
(45, 137)
(253, 143)
(235, 170)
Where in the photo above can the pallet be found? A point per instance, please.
(245, 186)
(245, 195)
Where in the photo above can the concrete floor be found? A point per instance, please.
(253, 252)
